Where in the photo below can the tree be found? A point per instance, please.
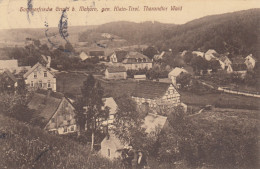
(69, 47)
(150, 52)
(91, 107)
(128, 123)
(184, 79)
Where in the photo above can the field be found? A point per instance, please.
(70, 83)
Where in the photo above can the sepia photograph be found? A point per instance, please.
(129, 84)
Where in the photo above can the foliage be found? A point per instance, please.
(184, 79)
(92, 103)
(150, 52)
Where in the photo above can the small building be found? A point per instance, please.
(211, 54)
(53, 111)
(115, 72)
(111, 145)
(175, 73)
(250, 62)
(155, 93)
(140, 77)
(40, 77)
(10, 65)
(83, 56)
(224, 61)
(8, 81)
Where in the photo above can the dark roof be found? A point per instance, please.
(97, 53)
(150, 89)
(120, 55)
(239, 67)
(113, 69)
(136, 57)
(45, 105)
(10, 75)
(238, 60)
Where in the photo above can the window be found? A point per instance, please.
(108, 152)
(52, 120)
(65, 130)
(31, 83)
(35, 75)
(40, 84)
(72, 128)
(45, 73)
(49, 83)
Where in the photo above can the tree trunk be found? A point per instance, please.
(92, 140)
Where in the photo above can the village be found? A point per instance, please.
(134, 105)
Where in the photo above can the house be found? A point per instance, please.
(211, 54)
(117, 56)
(159, 56)
(40, 77)
(130, 60)
(136, 61)
(140, 77)
(53, 111)
(111, 144)
(83, 56)
(198, 53)
(224, 61)
(250, 62)
(10, 65)
(115, 72)
(8, 81)
(237, 68)
(155, 93)
(175, 73)
(100, 54)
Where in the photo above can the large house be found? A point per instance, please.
(250, 62)
(111, 144)
(131, 60)
(114, 72)
(55, 113)
(40, 77)
(156, 94)
(10, 65)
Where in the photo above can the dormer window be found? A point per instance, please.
(45, 73)
(35, 75)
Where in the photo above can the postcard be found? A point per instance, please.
(132, 84)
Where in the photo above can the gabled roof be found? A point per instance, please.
(45, 105)
(33, 68)
(239, 67)
(153, 122)
(150, 89)
(114, 69)
(238, 60)
(97, 53)
(10, 75)
(177, 71)
(135, 57)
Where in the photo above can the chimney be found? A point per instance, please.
(49, 62)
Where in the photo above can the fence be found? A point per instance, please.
(227, 90)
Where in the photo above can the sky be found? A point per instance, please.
(13, 12)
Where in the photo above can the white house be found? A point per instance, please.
(115, 72)
(40, 77)
(175, 73)
(111, 144)
(250, 62)
(156, 93)
(10, 65)
(211, 54)
(224, 61)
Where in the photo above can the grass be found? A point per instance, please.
(70, 83)
(23, 146)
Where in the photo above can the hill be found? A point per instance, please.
(234, 32)
(23, 146)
